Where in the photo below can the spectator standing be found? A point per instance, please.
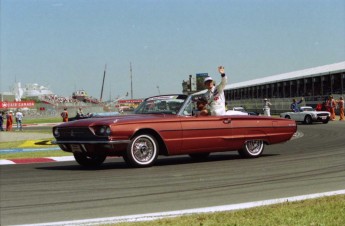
(80, 114)
(1, 121)
(267, 107)
(215, 94)
(294, 106)
(341, 108)
(318, 107)
(9, 121)
(331, 104)
(19, 118)
(64, 115)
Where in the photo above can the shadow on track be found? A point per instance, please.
(118, 163)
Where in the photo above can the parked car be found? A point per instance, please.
(307, 115)
(167, 125)
(241, 109)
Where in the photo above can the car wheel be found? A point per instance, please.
(199, 156)
(89, 161)
(252, 149)
(308, 119)
(142, 151)
(287, 117)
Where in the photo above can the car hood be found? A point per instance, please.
(121, 119)
(315, 112)
(324, 112)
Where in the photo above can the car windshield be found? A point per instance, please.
(164, 104)
(104, 114)
(307, 109)
(238, 109)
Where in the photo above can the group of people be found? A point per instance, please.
(213, 101)
(9, 117)
(293, 107)
(331, 104)
(64, 114)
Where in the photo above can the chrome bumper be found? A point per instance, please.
(91, 142)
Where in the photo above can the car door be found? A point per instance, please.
(298, 116)
(295, 116)
(206, 134)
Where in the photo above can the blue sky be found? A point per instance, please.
(65, 44)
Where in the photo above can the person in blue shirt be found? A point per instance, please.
(1, 121)
(294, 106)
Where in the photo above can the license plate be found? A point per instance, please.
(324, 117)
(75, 148)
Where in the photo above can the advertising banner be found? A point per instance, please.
(128, 105)
(16, 104)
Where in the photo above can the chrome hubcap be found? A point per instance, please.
(254, 146)
(143, 150)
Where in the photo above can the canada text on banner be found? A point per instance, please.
(16, 104)
(130, 101)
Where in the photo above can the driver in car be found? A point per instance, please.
(201, 104)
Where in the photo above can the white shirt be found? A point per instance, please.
(267, 105)
(19, 116)
(216, 98)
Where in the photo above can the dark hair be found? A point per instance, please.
(201, 100)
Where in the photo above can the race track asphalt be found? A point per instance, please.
(64, 191)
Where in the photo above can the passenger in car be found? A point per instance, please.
(294, 106)
(215, 94)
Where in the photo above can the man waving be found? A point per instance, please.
(215, 94)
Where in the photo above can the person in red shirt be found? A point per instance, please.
(318, 107)
(64, 115)
(9, 121)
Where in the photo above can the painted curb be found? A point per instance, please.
(36, 160)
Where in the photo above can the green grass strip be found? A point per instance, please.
(327, 211)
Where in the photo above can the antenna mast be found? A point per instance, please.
(130, 69)
(105, 68)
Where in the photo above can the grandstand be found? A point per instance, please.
(313, 84)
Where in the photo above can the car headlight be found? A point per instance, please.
(103, 131)
(56, 132)
(108, 131)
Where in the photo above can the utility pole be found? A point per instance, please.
(105, 68)
(130, 69)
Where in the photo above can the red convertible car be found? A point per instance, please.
(168, 125)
